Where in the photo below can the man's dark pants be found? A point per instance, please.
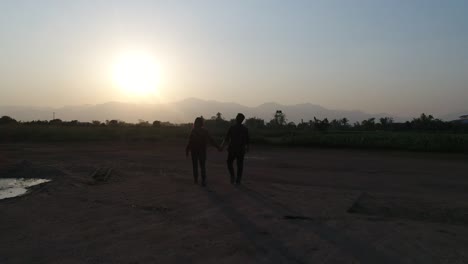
(237, 155)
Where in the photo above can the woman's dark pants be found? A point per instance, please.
(199, 158)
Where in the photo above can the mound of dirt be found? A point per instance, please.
(26, 169)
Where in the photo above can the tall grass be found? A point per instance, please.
(432, 142)
(100, 133)
(413, 141)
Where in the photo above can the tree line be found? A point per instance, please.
(278, 122)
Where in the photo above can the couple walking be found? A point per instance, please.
(238, 139)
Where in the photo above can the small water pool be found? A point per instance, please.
(12, 187)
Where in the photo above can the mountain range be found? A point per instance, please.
(184, 111)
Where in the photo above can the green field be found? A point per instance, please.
(411, 141)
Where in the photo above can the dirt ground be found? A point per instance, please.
(295, 206)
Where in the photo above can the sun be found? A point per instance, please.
(136, 73)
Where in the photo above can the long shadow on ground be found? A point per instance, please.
(362, 251)
(272, 250)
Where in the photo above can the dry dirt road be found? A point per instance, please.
(296, 206)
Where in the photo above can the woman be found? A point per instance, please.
(198, 141)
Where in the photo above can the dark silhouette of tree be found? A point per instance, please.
(368, 124)
(335, 124)
(143, 123)
(339, 124)
(386, 123)
(279, 119)
(6, 120)
(55, 122)
(321, 125)
(217, 121)
(157, 123)
(74, 123)
(428, 122)
(357, 125)
(37, 123)
(167, 124)
(112, 122)
(344, 122)
(291, 125)
(303, 125)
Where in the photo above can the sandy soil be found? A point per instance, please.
(296, 206)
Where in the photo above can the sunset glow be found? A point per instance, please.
(136, 74)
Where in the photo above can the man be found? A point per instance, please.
(238, 138)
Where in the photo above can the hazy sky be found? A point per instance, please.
(400, 56)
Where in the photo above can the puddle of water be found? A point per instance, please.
(12, 187)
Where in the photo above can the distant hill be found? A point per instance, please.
(182, 111)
